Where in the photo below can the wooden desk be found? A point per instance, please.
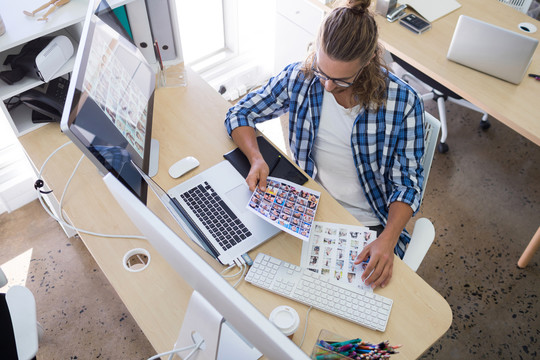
(513, 105)
(189, 121)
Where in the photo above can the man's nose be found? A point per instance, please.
(328, 85)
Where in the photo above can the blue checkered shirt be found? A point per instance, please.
(388, 144)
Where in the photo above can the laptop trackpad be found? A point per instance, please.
(239, 196)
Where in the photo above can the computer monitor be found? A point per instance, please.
(108, 110)
(98, 127)
(217, 296)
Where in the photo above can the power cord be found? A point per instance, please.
(195, 347)
(305, 327)
(39, 184)
(242, 268)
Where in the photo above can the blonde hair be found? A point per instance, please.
(350, 33)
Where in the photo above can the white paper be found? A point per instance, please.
(432, 10)
(332, 250)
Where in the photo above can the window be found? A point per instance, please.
(229, 43)
(201, 27)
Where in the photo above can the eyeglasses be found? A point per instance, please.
(339, 82)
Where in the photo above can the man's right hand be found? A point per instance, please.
(246, 140)
(258, 174)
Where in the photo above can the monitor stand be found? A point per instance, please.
(154, 158)
(221, 340)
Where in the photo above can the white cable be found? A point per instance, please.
(195, 347)
(50, 156)
(305, 326)
(61, 214)
(244, 269)
(230, 267)
(241, 268)
(61, 219)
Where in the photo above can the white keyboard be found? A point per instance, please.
(361, 307)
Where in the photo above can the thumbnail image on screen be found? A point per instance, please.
(111, 83)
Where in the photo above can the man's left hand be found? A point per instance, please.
(380, 253)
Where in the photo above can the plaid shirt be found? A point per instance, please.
(388, 144)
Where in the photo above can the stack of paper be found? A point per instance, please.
(432, 10)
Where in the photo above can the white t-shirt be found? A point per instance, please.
(333, 158)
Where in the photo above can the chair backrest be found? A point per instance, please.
(431, 134)
(519, 5)
(424, 231)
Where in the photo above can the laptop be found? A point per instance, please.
(211, 206)
(491, 49)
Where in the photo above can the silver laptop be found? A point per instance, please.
(491, 49)
(211, 207)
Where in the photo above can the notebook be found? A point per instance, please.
(211, 208)
(279, 165)
(491, 49)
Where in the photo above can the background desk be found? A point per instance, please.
(189, 121)
(513, 105)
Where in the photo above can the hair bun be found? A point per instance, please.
(358, 6)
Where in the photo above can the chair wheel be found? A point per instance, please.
(443, 148)
(484, 125)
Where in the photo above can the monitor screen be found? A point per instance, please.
(108, 111)
(221, 297)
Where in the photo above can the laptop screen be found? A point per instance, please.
(491, 49)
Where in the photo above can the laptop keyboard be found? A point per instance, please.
(215, 215)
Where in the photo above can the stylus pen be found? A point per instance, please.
(275, 165)
(535, 76)
(158, 54)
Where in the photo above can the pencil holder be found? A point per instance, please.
(320, 353)
(330, 346)
(172, 76)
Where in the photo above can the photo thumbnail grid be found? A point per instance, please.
(287, 205)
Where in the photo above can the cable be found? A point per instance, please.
(39, 183)
(305, 326)
(12, 105)
(232, 275)
(244, 269)
(61, 215)
(195, 347)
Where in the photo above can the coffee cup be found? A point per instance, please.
(286, 319)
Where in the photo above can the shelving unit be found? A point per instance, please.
(18, 173)
(20, 29)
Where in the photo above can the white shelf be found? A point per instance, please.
(29, 82)
(22, 119)
(21, 28)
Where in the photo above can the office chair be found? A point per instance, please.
(519, 5)
(424, 231)
(19, 337)
(440, 94)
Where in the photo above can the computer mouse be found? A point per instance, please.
(182, 166)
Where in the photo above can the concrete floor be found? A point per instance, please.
(483, 197)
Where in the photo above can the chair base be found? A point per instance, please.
(441, 99)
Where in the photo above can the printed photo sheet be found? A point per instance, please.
(287, 205)
(332, 249)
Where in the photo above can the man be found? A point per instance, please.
(354, 127)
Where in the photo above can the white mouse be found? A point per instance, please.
(182, 166)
